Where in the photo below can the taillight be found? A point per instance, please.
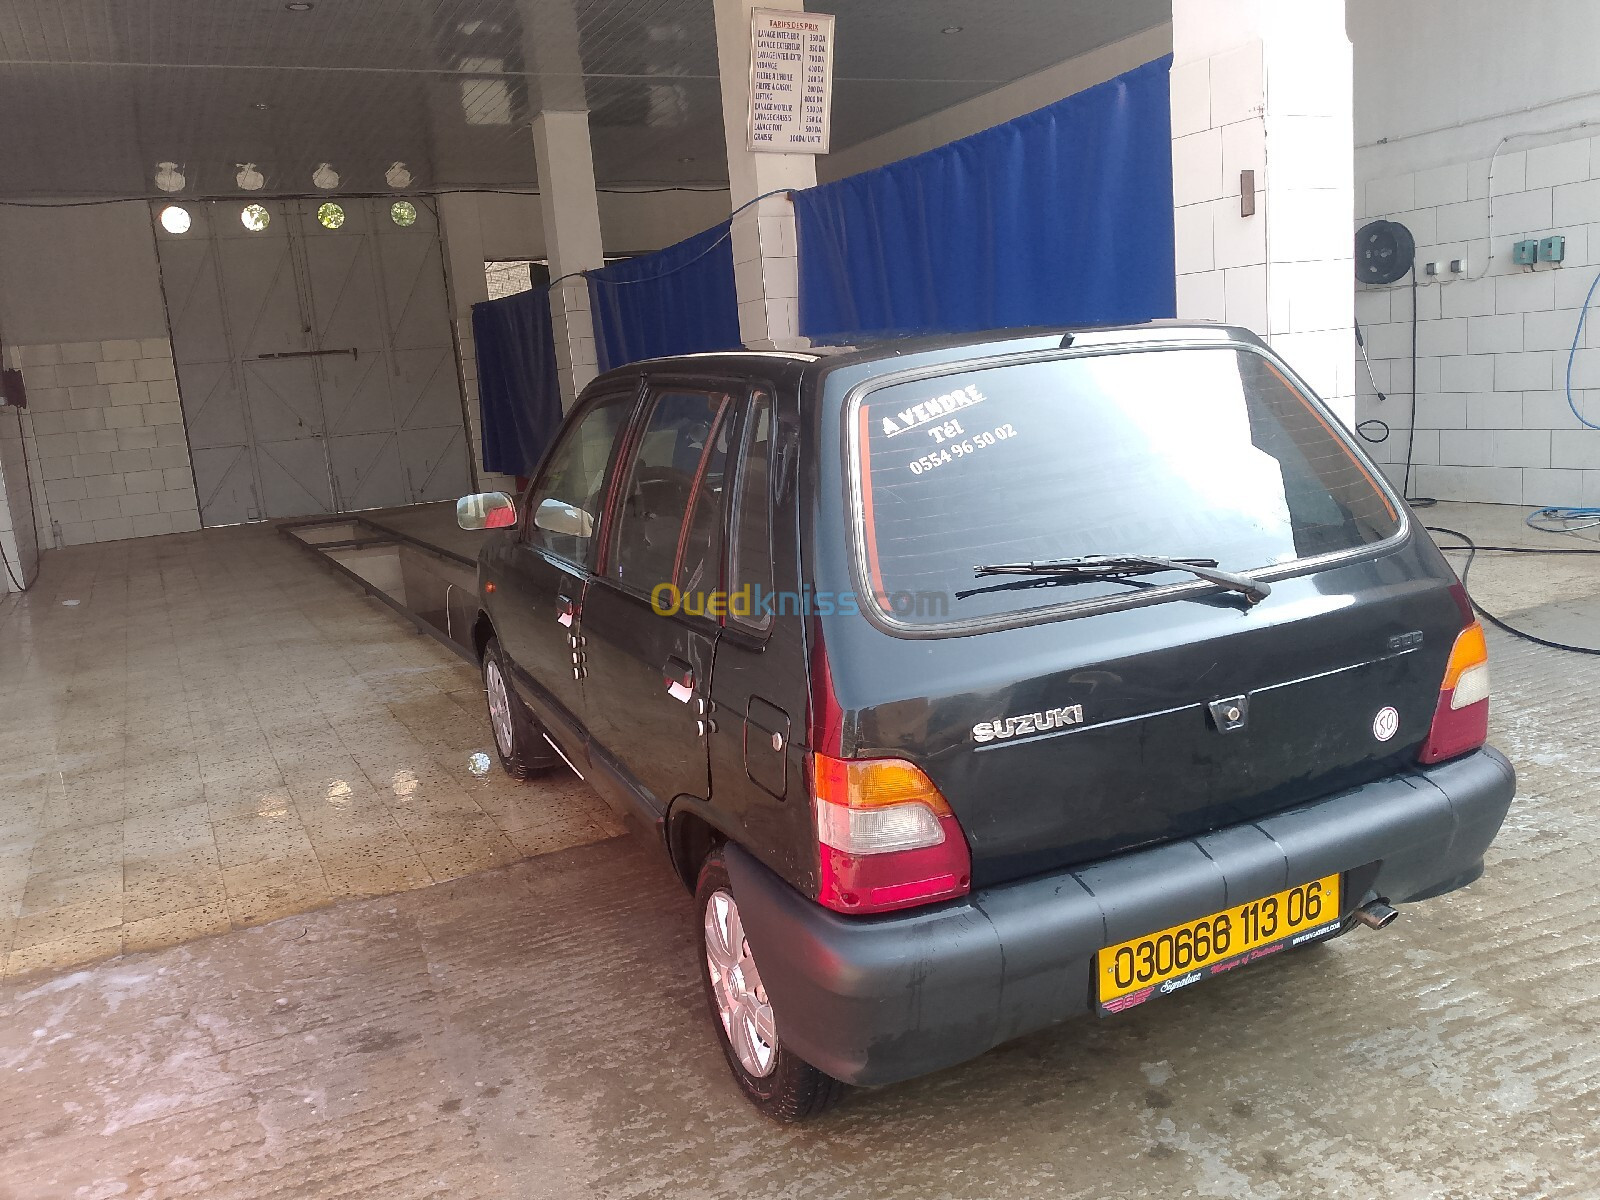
(1461, 718)
(886, 837)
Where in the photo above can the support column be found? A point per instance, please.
(571, 211)
(1263, 86)
(461, 239)
(766, 263)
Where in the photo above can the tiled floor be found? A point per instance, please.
(205, 731)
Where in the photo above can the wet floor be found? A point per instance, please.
(206, 731)
(538, 1031)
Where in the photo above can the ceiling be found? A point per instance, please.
(95, 93)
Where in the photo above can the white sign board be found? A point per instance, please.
(791, 81)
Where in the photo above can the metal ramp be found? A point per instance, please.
(433, 586)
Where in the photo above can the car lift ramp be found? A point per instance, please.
(398, 556)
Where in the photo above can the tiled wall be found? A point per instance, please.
(106, 443)
(1492, 420)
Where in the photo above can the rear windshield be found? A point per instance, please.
(1184, 453)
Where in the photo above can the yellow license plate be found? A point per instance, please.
(1158, 964)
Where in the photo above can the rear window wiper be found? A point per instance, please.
(1127, 566)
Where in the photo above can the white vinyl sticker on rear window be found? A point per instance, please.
(935, 409)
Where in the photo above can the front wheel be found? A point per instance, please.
(780, 1084)
(523, 752)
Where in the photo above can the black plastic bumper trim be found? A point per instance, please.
(873, 1000)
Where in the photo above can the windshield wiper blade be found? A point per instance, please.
(1124, 566)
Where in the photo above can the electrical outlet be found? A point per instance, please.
(1553, 249)
(1458, 266)
(1525, 253)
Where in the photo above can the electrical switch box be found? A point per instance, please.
(1553, 249)
(1526, 253)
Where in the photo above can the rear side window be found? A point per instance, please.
(750, 563)
(1184, 453)
(681, 458)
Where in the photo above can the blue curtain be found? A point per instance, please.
(679, 300)
(518, 392)
(1061, 217)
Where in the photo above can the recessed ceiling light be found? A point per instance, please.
(946, 29)
(262, 105)
(300, 6)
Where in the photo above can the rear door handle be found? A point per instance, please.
(679, 678)
(566, 611)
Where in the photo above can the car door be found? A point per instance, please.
(542, 573)
(650, 615)
(760, 681)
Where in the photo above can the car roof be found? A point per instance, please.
(795, 362)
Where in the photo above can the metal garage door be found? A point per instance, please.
(314, 358)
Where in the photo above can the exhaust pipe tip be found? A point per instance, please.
(1376, 915)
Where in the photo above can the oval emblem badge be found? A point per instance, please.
(1386, 724)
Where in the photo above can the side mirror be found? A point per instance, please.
(486, 510)
(556, 517)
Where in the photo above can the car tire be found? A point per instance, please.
(778, 1082)
(518, 741)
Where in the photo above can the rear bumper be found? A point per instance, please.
(876, 1000)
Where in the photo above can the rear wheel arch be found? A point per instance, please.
(690, 839)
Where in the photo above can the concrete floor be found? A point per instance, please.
(206, 731)
(538, 1030)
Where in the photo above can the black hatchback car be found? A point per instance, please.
(977, 683)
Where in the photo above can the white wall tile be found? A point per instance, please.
(1201, 297)
(1237, 241)
(1494, 335)
(1245, 297)
(1238, 84)
(1466, 297)
(1551, 330)
(1441, 411)
(1193, 239)
(1523, 210)
(1392, 194)
(1530, 291)
(1190, 85)
(1391, 340)
(1196, 167)
(1508, 172)
(1463, 221)
(1530, 371)
(1565, 162)
(1372, 306)
(1442, 185)
(1494, 410)
(1445, 336)
(1549, 410)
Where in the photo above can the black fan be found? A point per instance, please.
(1385, 251)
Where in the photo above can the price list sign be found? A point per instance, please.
(791, 81)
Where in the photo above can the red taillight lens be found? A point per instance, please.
(1461, 718)
(885, 836)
